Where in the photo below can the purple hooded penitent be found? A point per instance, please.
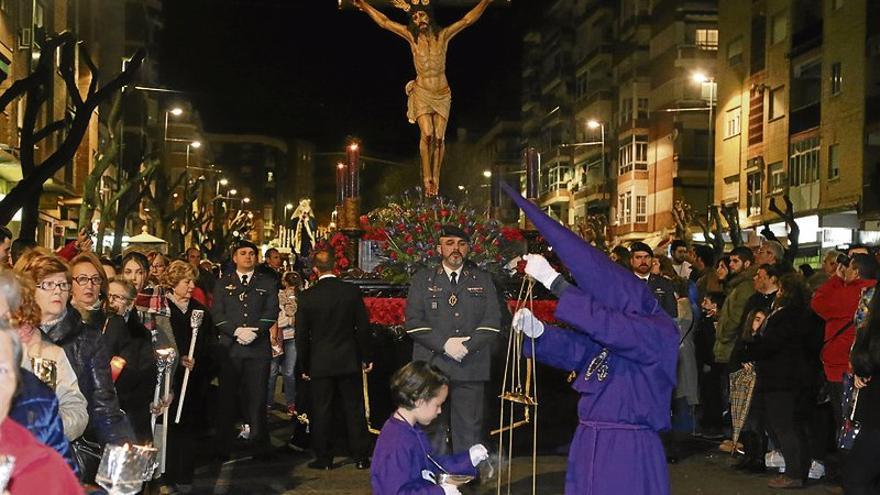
(624, 349)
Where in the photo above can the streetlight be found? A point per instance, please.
(233, 192)
(194, 145)
(177, 112)
(701, 78)
(487, 174)
(246, 200)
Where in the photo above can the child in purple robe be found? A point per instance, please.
(402, 461)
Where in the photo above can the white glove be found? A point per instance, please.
(454, 348)
(539, 269)
(524, 321)
(245, 335)
(478, 453)
(450, 490)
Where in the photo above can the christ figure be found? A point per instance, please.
(429, 96)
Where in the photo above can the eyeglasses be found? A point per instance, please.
(49, 286)
(158, 266)
(117, 297)
(83, 280)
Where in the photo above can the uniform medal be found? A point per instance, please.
(453, 300)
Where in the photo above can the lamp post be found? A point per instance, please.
(194, 145)
(177, 112)
(702, 78)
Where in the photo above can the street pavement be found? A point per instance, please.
(703, 471)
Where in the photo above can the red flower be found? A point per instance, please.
(478, 249)
(496, 242)
(430, 252)
(511, 234)
(408, 238)
(419, 229)
(437, 225)
(343, 264)
(444, 213)
(393, 255)
(410, 251)
(365, 222)
(423, 218)
(462, 219)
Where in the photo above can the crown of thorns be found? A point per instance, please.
(407, 5)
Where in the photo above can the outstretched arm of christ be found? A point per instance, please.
(468, 19)
(382, 20)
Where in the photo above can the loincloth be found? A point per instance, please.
(423, 101)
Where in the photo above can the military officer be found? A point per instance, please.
(453, 318)
(245, 308)
(661, 287)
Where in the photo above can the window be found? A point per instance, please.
(732, 123)
(643, 108)
(626, 110)
(633, 154)
(803, 162)
(834, 161)
(624, 207)
(836, 78)
(735, 51)
(777, 177)
(779, 28)
(707, 39)
(641, 209)
(270, 176)
(581, 86)
(777, 103)
(754, 196)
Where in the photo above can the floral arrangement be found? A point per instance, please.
(408, 230)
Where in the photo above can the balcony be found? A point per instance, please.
(804, 118)
(808, 38)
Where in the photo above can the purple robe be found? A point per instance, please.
(625, 350)
(616, 448)
(401, 456)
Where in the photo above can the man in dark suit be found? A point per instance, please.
(332, 344)
(661, 287)
(245, 308)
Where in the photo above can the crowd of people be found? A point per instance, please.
(80, 335)
(806, 335)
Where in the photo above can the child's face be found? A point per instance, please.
(757, 322)
(427, 410)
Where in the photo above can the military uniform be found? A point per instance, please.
(436, 311)
(244, 368)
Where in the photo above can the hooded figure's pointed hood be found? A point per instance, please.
(595, 274)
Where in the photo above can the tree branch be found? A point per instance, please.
(58, 125)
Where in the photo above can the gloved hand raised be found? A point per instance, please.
(450, 490)
(478, 453)
(524, 321)
(539, 269)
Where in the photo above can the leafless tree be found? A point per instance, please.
(37, 88)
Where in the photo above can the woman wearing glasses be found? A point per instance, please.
(88, 288)
(132, 366)
(17, 292)
(63, 326)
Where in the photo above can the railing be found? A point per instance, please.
(804, 118)
(807, 38)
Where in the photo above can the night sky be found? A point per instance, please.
(302, 68)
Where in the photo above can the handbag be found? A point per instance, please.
(88, 457)
(850, 428)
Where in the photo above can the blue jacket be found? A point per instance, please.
(36, 408)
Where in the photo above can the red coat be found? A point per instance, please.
(836, 303)
(38, 469)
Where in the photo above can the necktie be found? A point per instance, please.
(244, 280)
(453, 277)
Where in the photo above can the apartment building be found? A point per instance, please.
(610, 103)
(798, 93)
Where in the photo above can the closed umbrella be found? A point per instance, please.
(742, 386)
